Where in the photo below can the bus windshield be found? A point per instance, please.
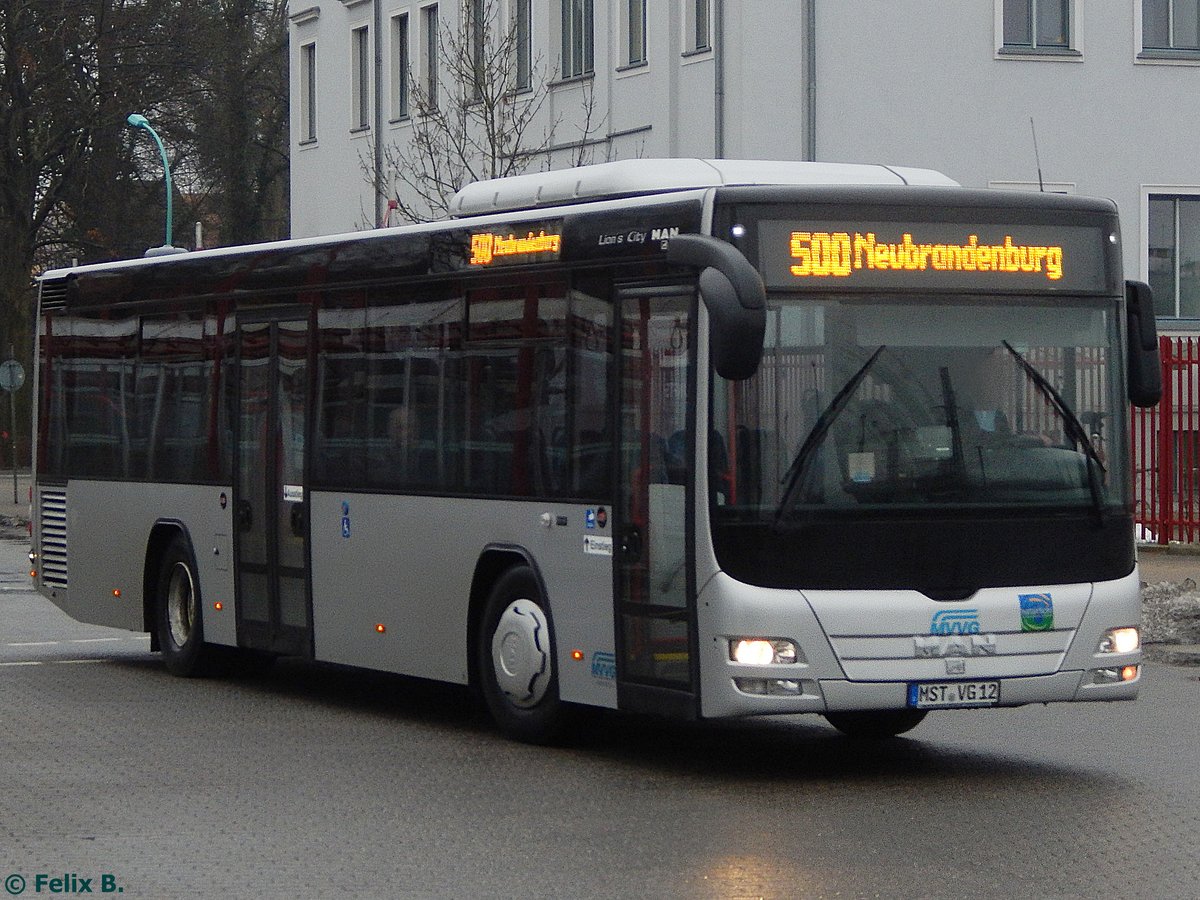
(881, 404)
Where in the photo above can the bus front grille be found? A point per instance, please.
(52, 510)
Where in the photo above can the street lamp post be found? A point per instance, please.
(137, 120)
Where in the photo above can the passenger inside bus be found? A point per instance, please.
(405, 460)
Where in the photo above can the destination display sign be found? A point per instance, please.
(631, 233)
(493, 247)
(834, 255)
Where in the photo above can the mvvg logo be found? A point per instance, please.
(955, 621)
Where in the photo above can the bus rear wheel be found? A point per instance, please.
(179, 621)
(876, 724)
(517, 671)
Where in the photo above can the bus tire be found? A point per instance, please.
(518, 675)
(178, 616)
(876, 725)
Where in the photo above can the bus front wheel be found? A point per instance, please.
(876, 724)
(179, 622)
(517, 670)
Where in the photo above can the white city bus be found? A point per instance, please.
(702, 439)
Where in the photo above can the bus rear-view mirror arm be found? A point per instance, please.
(733, 293)
(1145, 368)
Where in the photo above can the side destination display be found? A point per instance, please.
(615, 234)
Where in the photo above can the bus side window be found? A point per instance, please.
(340, 454)
(675, 458)
(595, 464)
(659, 457)
(749, 475)
(589, 333)
(718, 467)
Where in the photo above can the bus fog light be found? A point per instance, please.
(751, 685)
(1115, 675)
(763, 651)
(774, 687)
(1119, 640)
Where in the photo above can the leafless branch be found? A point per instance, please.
(478, 122)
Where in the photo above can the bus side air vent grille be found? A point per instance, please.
(53, 511)
(54, 294)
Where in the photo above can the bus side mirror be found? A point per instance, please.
(1145, 368)
(736, 300)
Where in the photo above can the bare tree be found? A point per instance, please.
(47, 104)
(477, 113)
(237, 117)
(209, 76)
(77, 183)
(137, 61)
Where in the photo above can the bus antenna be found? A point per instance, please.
(1036, 156)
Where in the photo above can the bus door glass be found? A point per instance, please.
(656, 618)
(274, 611)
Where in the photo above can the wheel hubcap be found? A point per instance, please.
(521, 653)
(181, 604)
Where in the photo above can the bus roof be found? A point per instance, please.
(650, 176)
(621, 180)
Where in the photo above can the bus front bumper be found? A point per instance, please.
(759, 696)
(889, 664)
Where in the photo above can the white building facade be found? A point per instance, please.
(1003, 93)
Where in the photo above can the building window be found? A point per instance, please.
(1171, 25)
(699, 29)
(429, 55)
(578, 48)
(523, 43)
(360, 54)
(635, 32)
(1037, 24)
(400, 66)
(477, 32)
(308, 92)
(1173, 264)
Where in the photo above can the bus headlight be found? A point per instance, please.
(763, 651)
(1120, 640)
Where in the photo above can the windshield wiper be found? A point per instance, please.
(952, 422)
(1075, 430)
(798, 470)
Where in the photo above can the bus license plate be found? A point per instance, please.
(949, 694)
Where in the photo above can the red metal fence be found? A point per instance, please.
(1166, 449)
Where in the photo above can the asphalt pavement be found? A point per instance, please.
(14, 494)
(1174, 563)
(304, 780)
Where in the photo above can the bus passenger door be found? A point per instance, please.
(656, 630)
(270, 497)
